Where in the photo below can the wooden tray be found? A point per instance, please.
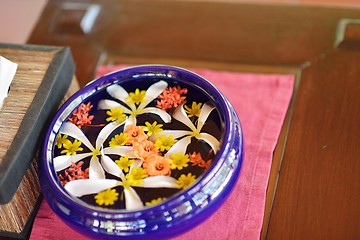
(42, 79)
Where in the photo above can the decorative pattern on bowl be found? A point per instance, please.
(144, 152)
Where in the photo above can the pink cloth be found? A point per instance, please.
(261, 101)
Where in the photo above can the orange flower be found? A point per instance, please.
(74, 172)
(196, 159)
(171, 97)
(135, 133)
(80, 116)
(157, 165)
(145, 149)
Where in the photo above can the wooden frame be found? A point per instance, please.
(42, 79)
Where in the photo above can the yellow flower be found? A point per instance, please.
(179, 161)
(61, 139)
(124, 163)
(154, 201)
(164, 142)
(115, 114)
(153, 128)
(107, 197)
(137, 97)
(185, 181)
(194, 110)
(71, 147)
(136, 176)
(119, 140)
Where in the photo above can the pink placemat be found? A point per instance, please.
(261, 101)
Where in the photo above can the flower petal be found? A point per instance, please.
(180, 115)
(72, 130)
(212, 141)
(159, 182)
(175, 133)
(204, 114)
(132, 199)
(64, 161)
(118, 92)
(153, 92)
(111, 167)
(95, 170)
(82, 187)
(179, 146)
(161, 113)
(121, 151)
(136, 164)
(107, 104)
(105, 132)
(131, 120)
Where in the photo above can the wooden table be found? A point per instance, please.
(314, 187)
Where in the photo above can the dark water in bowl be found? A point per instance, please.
(212, 126)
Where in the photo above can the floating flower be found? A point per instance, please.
(153, 128)
(136, 175)
(206, 164)
(96, 170)
(106, 197)
(157, 166)
(154, 201)
(61, 139)
(80, 116)
(71, 147)
(194, 111)
(124, 163)
(74, 172)
(196, 159)
(164, 143)
(116, 114)
(195, 131)
(171, 97)
(179, 160)
(136, 97)
(144, 149)
(130, 101)
(83, 187)
(135, 133)
(119, 140)
(185, 181)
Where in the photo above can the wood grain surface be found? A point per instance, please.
(32, 66)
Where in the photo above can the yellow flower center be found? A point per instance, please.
(96, 152)
(195, 133)
(136, 97)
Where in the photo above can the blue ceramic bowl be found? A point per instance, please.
(109, 190)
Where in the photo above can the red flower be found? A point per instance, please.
(171, 97)
(74, 172)
(196, 159)
(80, 116)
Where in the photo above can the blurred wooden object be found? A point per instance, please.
(42, 72)
(314, 186)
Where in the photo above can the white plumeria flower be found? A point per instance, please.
(195, 131)
(81, 187)
(96, 170)
(118, 92)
